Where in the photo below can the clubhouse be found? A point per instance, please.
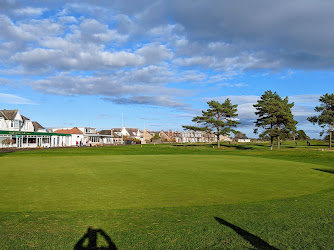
(19, 131)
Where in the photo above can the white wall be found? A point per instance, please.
(78, 137)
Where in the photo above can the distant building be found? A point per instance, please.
(77, 135)
(86, 136)
(244, 139)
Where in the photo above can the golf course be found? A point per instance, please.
(177, 196)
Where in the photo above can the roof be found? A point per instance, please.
(74, 130)
(8, 114)
(117, 136)
(105, 132)
(132, 131)
(24, 118)
(37, 126)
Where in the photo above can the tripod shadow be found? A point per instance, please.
(91, 236)
(255, 241)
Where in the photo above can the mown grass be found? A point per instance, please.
(167, 196)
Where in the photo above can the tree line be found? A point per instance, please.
(275, 119)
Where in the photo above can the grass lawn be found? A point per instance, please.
(169, 196)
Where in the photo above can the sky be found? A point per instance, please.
(85, 63)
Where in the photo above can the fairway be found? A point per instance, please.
(157, 197)
(134, 181)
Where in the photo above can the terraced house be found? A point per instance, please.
(19, 131)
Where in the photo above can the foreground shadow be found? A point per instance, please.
(331, 171)
(255, 241)
(91, 236)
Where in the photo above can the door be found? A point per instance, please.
(19, 142)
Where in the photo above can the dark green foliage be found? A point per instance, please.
(218, 119)
(326, 118)
(156, 136)
(275, 116)
(301, 135)
(239, 135)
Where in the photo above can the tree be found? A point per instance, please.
(301, 135)
(275, 116)
(7, 142)
(239, 135)
(326, 118)
(218, 119)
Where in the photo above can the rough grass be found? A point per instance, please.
(162, 196)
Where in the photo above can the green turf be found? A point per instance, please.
(157, 197)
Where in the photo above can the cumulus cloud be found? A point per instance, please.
(127, 50)
(107, 85)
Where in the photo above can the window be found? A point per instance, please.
(94, 139)
(31, 140)
(12, 124)
(16, 124)
(46, 140)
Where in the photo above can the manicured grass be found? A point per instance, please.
(167, 196)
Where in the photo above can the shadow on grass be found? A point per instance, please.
(240, 147)
(330, 171)
(91, 236)
(255, 241)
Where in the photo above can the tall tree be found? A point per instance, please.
(218, 119)
(326, 118)
(301, 135)
(275, 116)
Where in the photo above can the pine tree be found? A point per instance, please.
(326, 118)
(275, 116)
(218, 119)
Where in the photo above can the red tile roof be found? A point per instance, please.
(74, 130)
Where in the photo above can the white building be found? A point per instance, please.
(244, 139)
(86, 136)
(19, 131)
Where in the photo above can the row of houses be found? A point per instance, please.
(19, 131)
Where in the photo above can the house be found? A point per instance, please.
(164, 137)
(129, 133)
(191, 136)
(19, 131)
(147, 136)
(12, 120)
(86, 136)
(108, 137)
(174, 136)
(38, 127)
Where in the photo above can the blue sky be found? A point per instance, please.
(84, 63)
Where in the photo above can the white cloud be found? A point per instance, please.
(14, 99)
(231, 85)
(155, 53)
(108, 85)
(164, 101)
(30, 11)
(68, 19)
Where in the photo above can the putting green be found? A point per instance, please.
(67, 183)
